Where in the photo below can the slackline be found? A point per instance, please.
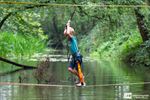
(53, 85)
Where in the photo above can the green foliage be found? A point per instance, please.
(129, 1)
(19, 45)
(26, 23)
(116, 35)
(113, 35)
(117, 47)
(146, 13)
(142, 55)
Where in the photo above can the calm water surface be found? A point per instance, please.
(96, 73)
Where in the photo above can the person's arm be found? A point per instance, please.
(68, 23)
(65, 31)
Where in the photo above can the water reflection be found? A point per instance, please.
(96, 73)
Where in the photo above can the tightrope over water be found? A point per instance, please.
(53, 85)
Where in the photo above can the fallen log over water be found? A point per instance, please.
(16, 64)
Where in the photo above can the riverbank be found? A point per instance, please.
(19, 45)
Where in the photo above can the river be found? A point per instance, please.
(105, 80)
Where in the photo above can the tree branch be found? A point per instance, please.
(22, 9)
(85, 13)
(16, 64)
(4, 19)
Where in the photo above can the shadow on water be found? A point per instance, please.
(12, 72)
(96, 73)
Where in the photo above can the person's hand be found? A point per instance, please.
(66, 26)
(69, 21)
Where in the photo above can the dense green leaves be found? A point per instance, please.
(142, 55)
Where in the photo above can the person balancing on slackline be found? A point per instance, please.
(76, 60)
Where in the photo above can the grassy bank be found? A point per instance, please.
(20, 45)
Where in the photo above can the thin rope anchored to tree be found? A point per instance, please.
(73, 5)
(53, 85)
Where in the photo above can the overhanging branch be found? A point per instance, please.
(16, 64)
(20, 9)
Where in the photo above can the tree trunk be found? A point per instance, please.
(16, 64)
(141, 26)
